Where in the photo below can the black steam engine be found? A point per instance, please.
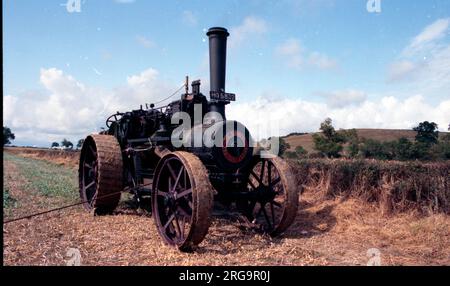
(188, 158)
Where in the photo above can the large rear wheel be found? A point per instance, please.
(100, 173)
(182, 200)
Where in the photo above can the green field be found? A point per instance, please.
(41, 178)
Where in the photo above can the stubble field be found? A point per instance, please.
(331, 228)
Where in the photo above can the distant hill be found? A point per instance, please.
(306, 140)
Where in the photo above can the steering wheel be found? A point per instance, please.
(113, 118)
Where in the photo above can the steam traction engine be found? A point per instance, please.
(150, 152)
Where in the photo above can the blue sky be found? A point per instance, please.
(325, 57)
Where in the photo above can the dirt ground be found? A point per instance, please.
(330, 232)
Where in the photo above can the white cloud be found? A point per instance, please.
(401, 70)
(68, 108)
(298, 57)
(344, 98)
(189, 18)
(321, 61)
(430, 34)
(96, 71)
(297, 115)
(250, 27)
(425, 63)
(146, 77)
(292, 51)
(71, 109)
(145, 42)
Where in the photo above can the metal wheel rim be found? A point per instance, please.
(182, 206)
(277, 202)
(89, 175)
(100, 173)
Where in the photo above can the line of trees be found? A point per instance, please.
(346, 143)
(67, 144)
(8, 136)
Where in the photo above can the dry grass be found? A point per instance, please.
(59, 157)
(326, 233)
(335, 229)
(394, 186)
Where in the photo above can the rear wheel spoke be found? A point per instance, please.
(184, 193)
(94, 198)
(276, 181)
(177, 180)
(183, 211)
(262, 170)
(177, 224)
(260, 210)
(273, 213)
(256, 177)
(266, 217)
(277, 204)
(169, 221)
(269, 174)
(89, 185)
(183, 225)
(172, 172)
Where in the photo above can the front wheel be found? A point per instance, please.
(182, 200)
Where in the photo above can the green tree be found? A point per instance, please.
(377, 150)
(284, 146)
(329, 142)
(351, 136)
(441, 150)
(403, 149)
(420, 150)
(300, 151)
(55, 144)
(353, 149)
(327, 147)
(7, 135)
(427, 132)
(80, 143)
(66, 143)
(446, 137)
(290, 155)
(327, 129)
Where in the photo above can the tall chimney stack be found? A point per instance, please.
(217, 64)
